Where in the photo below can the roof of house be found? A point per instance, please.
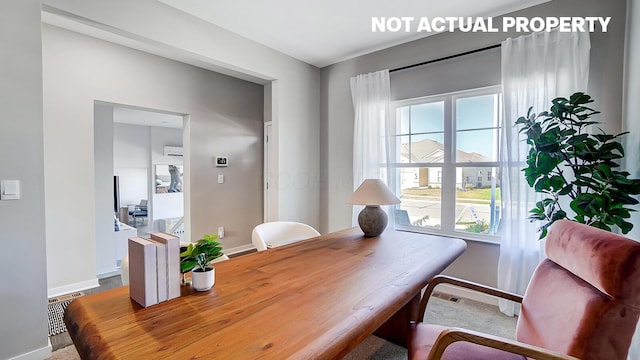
(431, 151)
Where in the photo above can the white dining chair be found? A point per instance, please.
(278, 233)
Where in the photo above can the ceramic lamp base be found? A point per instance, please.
(372, 220)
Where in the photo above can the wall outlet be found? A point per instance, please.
(220, 232)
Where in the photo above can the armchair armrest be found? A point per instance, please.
(442, 279)
(451, 335)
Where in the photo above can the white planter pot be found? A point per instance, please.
(203, 280)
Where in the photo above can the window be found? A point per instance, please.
(445, 159)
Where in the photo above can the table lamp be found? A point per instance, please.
(373, 193)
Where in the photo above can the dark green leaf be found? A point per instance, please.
(560, 214)
(585, 204)
(521, 120)
(533, 217)
(546, 163)
(565, 190)
(557, 183)
(625, 227)
(601, 225)
(542, 184)
(578, 139)
(580, 98)
(603, 137)
(621, 197)
(188, 265)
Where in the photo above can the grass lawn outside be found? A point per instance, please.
(473, 195)
(473, 208)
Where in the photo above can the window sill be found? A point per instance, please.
(495, 240)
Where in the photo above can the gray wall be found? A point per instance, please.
(23, 290)
(480, 261)
(296, 95)
(225, 117)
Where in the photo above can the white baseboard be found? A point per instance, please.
(108, 274)
(67, 289)
(38, 354)
(239, 249)
(230, 251)
(466, 293)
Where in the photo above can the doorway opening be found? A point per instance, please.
(139, 178)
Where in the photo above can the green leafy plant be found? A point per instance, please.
(477, 227)
(202, 261)
(200, 254)
(566, 159)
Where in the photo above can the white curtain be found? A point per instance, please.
(370, 93)
(630, 123)
(536, 68)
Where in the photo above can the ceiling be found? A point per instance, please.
(329, 31)
(126, 115)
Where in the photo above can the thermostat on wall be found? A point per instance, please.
(222, 161)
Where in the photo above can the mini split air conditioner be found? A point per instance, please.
(173, 151)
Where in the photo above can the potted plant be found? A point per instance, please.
(197, 258)
(571, 163)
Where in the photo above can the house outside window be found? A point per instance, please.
(440, 146)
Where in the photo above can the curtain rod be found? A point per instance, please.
(445, 58)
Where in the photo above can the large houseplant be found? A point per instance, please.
(197, 258)
(572, 161)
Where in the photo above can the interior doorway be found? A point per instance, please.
(148, 158)
(133, 148)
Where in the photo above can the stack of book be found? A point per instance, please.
(154, 268)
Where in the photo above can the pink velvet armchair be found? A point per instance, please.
(582, 302)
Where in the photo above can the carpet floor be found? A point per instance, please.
(442, 310)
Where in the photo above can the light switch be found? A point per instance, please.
(220, 179)
(9, 189)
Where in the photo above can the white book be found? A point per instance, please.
(161, 270)
(143, 285)
(173, 262)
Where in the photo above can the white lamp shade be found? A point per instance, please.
(373, 192)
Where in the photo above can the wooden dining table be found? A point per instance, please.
(314, 299)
